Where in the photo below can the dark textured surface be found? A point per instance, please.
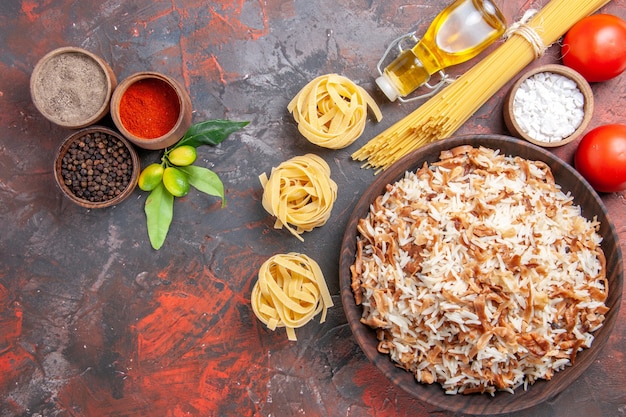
(570, 182)
(93, 322)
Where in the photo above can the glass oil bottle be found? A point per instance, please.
(458, 33)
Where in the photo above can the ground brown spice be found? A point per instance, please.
(72, 88)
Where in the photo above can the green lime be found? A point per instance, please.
(182, 156)
(150, 177)
(175, 182)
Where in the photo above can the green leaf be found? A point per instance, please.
(205, 180)
(159, 210)
(210, 132)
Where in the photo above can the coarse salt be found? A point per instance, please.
(548, 107)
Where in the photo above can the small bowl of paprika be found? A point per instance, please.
(151, 110)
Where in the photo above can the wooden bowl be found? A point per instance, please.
(513, 124)
(79, 143)
(166, 139)
(502, 402)
(72, 87)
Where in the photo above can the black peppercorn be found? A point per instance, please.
(85, 167)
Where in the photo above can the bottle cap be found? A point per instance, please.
(387, 87)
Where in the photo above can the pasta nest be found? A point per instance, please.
(289, 292)
(331, 111)
(300, 193)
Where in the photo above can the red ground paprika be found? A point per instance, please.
(149, 108)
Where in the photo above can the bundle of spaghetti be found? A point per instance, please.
(289, 292)
(445, 113)
(331, 111)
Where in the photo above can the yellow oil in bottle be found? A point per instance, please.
(458, 33)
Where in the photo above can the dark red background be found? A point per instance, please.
(93, 322)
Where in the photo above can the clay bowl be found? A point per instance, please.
(515, 125)
(502, 402)
(72, 87)
(117, 166)
(178, 100)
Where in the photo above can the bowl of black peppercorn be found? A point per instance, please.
(96, 167)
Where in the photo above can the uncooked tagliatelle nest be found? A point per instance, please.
(331, 111)
(290, 291)
(300, 193)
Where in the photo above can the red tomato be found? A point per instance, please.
(601, 158)
(596, 47)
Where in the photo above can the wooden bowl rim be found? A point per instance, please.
(584, 87)
(502, 402)
(62, 150)
(178, 130)
(111, 84)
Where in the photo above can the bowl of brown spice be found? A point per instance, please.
(152, 110)
(96, 167)
(72, 87)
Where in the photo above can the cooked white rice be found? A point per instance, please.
(479, 273)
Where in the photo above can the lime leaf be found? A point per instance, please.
(205, 180)
(210, 132)
(159, 211)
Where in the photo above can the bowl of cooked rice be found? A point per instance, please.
(481, 274)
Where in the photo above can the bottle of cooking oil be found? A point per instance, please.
(458, 33)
